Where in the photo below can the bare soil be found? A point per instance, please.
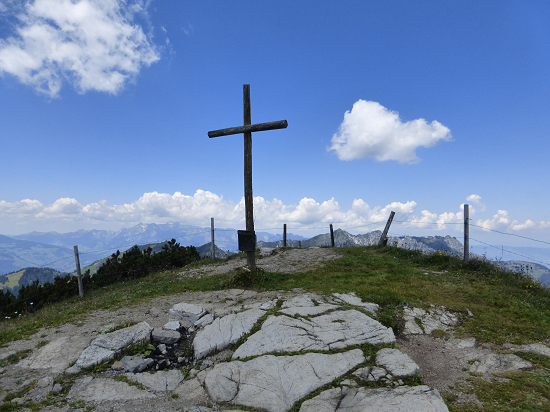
(289, 261)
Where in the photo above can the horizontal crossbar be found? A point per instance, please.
(260, 127)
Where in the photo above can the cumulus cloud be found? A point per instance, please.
(92, 44)
(68, 214)
(502, 221)
(371, 130)
(157, 207)
(477, 205)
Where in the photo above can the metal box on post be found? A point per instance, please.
(247, 240)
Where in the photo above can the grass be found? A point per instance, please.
(507, 307)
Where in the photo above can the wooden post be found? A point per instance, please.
(212, 247)
(331, 235)
(300, 244)
(80, 286)
(248, 196)
(284, 235)
(384, 238)
(466, 233)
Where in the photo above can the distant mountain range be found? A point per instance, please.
(55, 250)
(342, 238)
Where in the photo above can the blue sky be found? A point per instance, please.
(417, 107)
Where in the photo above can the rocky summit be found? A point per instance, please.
(233, 349)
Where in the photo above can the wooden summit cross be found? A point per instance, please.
(247, 240)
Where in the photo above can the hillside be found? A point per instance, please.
(14, 281)
(481, 361)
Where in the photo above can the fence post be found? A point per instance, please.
(212, 252)
(466, 233)
(331, 235)
(299, 244)
(384, 238)
(284, 235)
(80, 286)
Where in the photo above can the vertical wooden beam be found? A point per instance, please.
(284, 235)
(384, 238)
(331, 235)
(248, 196)
(80, 286)
(466, 233)
(212, 247)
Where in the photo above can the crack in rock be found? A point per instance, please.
(275, 383)
(401, 399)
(285, 334)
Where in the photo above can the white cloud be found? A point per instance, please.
(92, 44)
(477, 205)
(308, 215)
(371, 130)
(157, 207)
(502, 221)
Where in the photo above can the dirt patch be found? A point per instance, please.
(442, 363)
(288, 261)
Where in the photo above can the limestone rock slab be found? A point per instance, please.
(308, 310)
(57, 355)
(192, 392)
(159, 381)
(165, 336)
(224, 331)
(94, 355)
(335, 330)
(352, 299)
(437, 317)
(396, 362)
(537, 348)
(496, 363)
(186, 313)
(104, 348)
(401, 399)
(275, 383)
(122, 338)
(100, 389)
(136, 364)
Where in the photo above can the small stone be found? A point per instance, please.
(163, 364)
(57, 388)
(172, 325)
(136, 364)
(165, 336)
(44, 382)
(193, 373)
(396, 362)
(186, 311)
(162, 348)
(117, 366)
(72, 370)
(206, 364)
(154, 312)
(376, 374)
(205, 320)
(18, 401)
(181, 359)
